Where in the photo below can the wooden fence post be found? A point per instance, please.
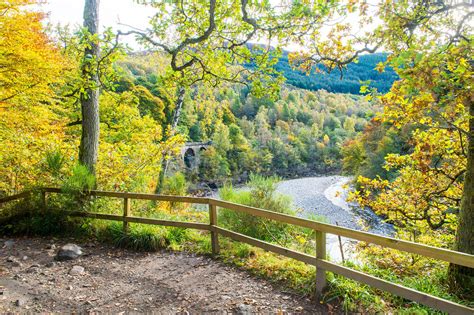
(320, 272)
(214, 234)
(126, 213)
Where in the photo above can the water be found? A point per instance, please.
(324, 198)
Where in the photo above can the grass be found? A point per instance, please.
(140, 237)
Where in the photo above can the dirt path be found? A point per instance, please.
(116, 280)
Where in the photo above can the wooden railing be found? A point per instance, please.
(320, 261)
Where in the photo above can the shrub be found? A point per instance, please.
(81, 179)
(30, 217)
(140, 237)
(175, 185)
(262, 194)
(54, 163)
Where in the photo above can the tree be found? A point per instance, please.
(29, 60)
(431, 50)
(214, 167)
(31, 66)
(89, 147)
(441, 97)
(209, 41)
(221, 139)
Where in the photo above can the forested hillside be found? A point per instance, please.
(349, 80)
(300, 132)
(355, 75)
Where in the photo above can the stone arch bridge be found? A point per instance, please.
(191, 153)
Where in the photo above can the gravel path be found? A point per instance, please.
(116, 281)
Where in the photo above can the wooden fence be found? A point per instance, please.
(320, 261)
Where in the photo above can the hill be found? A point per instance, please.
(352, 76)
(298, 133)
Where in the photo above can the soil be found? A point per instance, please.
(117, 280)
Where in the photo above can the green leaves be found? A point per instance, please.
(209, 41)
(80, 180)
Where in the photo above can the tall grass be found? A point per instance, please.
(140, 237)
(263, 195)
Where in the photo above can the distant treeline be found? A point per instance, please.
(352, 77)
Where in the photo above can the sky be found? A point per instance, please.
(112, 13)
(116, 14)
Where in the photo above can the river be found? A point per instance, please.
(324, 198)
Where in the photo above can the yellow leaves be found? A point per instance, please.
(291, 138)
(131, 146)
(423, 189)
(326, 139)
(26, 135)
(29, 61)
(380, 67)
(301, 240)
(31, 123)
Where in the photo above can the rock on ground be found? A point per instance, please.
(76, 270)
(68, 252)
(9, 244)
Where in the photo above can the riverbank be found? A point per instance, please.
(325, 197)
(309, 195)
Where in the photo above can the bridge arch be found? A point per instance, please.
(189, 158)
(191, 153)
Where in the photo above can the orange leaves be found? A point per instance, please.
(29, 62)
(380, 67)
(29, 123)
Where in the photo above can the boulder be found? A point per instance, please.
(68, 252)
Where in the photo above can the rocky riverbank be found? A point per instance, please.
(325, 198)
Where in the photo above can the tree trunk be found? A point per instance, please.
(177, 109)
(174, 124)
(462, 278)
(89, 147)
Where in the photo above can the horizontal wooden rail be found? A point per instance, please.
(397, 289)
(321, 229)
(130, 219)
(410, 294)
(15, 197)
(117, 194)
(454, 257)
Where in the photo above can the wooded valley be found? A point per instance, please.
(387, 100)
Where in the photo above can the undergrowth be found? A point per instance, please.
(35, 219)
